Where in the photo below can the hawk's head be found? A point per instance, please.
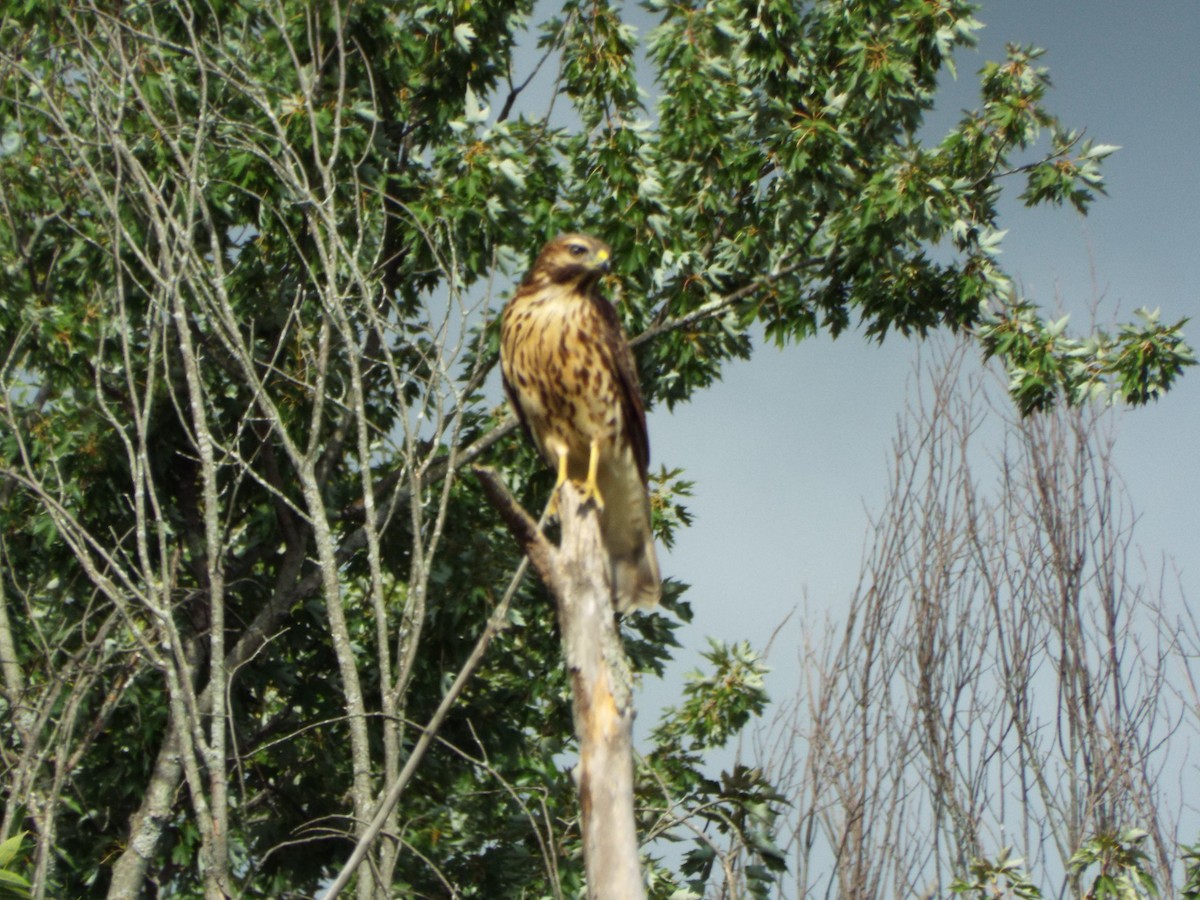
(576, 259)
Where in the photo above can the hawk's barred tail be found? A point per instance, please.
(625, 521)
(636, 580)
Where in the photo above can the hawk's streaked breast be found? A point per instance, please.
(570, 376)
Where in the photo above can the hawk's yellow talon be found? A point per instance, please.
(591, 493)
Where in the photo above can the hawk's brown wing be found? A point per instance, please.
(514, 403)
(633, 409)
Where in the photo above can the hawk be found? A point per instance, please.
(570, 377)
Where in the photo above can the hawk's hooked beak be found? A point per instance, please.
(602, 262)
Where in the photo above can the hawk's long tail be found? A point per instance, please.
(630, 540)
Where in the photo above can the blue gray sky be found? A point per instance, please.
(790, 451)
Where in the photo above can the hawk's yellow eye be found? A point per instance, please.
(578, 249)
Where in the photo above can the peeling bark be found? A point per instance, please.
(577, 574)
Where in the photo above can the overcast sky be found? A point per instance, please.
(791, 450)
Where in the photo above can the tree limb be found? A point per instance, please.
(578, 575)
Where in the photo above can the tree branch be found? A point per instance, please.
(494, 488)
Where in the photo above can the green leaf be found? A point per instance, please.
(10, 848)
(14, 886)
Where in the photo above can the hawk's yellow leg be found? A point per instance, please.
(591, 490)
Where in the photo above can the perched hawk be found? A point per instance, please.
(570, 377)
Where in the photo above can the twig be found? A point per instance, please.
(495, 625)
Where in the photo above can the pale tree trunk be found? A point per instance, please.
(129, 870)
(577, 575)
(602, 699)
